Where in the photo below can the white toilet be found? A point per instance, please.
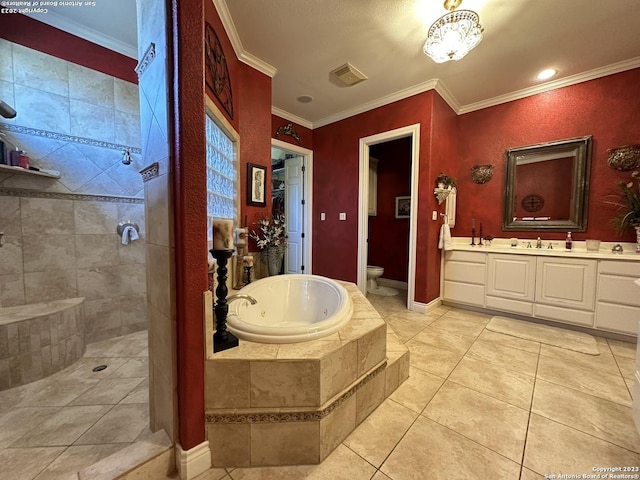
(373, 272)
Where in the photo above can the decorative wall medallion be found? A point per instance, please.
(150, 172)
(481, 173)
(532, 203)
(625, 158)
(147, 58)
(217, 71)
(288, 129)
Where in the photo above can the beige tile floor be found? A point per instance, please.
(478, 405)
(481, 405)
(76, 417)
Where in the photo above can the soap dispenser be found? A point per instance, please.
(568, 244)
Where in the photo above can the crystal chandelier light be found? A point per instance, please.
(454, 34)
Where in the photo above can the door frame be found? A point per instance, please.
(412, 131)
(308, 197)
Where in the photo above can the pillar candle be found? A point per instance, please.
(247, 260)
(222, 234)
(473, 223)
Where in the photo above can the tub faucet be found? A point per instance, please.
(239, 296)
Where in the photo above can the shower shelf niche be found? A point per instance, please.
(24, 171)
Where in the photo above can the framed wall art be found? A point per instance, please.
(256, 182)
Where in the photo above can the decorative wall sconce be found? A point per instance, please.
(288, 129)
(625, 158)
(481, 173)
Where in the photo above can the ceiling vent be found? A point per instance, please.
(349, 75)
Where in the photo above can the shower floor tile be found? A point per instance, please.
(102, 412)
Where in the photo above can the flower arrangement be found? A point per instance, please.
(271, 234)
(627, 204)
(445, 181)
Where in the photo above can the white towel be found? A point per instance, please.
(129, 234)
(445, 242)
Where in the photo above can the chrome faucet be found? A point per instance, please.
(240, 296)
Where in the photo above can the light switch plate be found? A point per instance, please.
(323, 216)
(343, 216)
(434, 215)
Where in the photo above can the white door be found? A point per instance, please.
(294, 214)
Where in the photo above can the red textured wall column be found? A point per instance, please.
(190, 214)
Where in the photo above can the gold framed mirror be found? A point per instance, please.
(547, 186)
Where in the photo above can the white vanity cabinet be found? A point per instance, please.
(595, 291)
(511, 283)
(618, 298)
(464, 278)
(565, 290)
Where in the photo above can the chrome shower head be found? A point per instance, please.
(7, 111)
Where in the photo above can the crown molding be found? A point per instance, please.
(378, 102)
(553, 85)
(236, 43)
(63, 23)
(291, 117)
(447, 96)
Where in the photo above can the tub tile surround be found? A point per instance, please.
(313, 394)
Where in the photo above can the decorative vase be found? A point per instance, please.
(274, 260)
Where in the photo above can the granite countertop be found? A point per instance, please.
(503, 245)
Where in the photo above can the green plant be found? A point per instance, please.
(627, 204)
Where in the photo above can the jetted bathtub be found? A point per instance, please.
(289, 309)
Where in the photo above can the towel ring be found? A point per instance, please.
(127, 223)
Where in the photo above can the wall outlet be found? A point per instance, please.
(323, 216)
(343, 216)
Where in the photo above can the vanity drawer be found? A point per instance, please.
(464, 272)
(509, 305)
(464, 293)
(471, 257)
(622, 267)
(617, 318)
(618, 289)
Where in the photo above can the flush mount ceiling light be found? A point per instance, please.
(546, 74)
(454, 34)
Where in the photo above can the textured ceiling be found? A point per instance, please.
(303, 40)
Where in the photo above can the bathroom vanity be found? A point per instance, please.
(595, 290)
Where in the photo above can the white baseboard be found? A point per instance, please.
(387, 282)
(427, 307)
(194, 461)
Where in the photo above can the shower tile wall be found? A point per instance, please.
(68, 247)
(58, 248)
(63, 98)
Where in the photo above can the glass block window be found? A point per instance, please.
(221, 175)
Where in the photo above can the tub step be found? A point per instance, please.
(397, 370)
(152, 458)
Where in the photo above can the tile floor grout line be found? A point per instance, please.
(526, 432)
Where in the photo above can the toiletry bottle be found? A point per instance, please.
(14, 157)
(538, 243)
(24, 159)
(568, 244)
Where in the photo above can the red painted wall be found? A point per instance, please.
(335, 190)
(305, 134)
(26, 31)
(607, 108)
(394, 180)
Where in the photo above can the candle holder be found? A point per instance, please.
(222, 339)
(480, 237)
(247, 270)
(473, 236)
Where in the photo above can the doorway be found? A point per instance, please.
(291, 195)
(412, 131)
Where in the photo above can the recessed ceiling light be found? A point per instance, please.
(305, 98)
(546, 74)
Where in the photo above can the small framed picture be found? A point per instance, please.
(256, 181)
(403, 207)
